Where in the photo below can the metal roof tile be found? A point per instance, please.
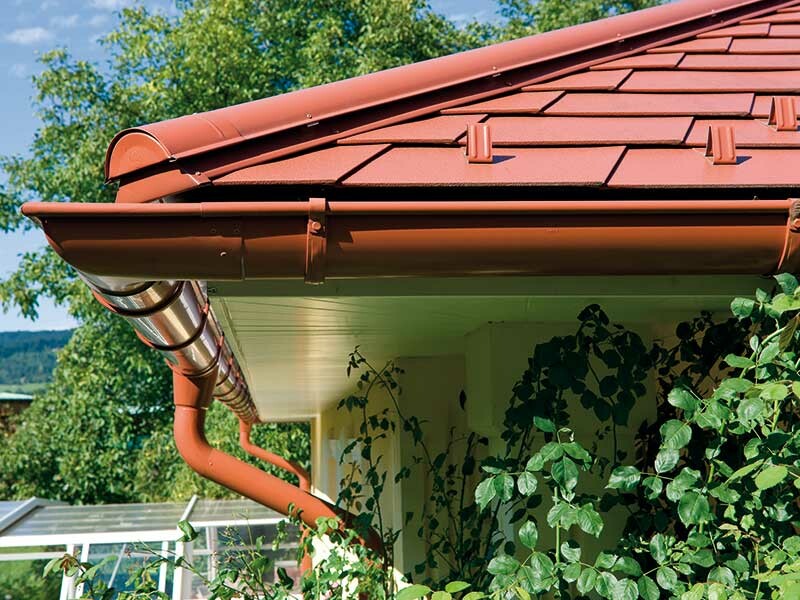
(652, 105)
(712, 81)
(588, 80)
(779, 31)
(433, 167)
(325, 166)
(436, 130)
(576, 131)
(642, 61)
(741, 62)
(688, 168)
(789, 17)
(755, 30)
(768, 45)
(697, 45)
(530, 102)
(749, 133)
(761, 106)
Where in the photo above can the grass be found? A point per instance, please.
(22, 388)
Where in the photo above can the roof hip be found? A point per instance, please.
(278, 126)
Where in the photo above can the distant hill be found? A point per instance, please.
(27, 358)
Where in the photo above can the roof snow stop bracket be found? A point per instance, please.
(316, 241)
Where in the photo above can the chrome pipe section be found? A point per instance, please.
(175, 318)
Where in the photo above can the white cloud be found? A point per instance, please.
(48, 4)
(18, 70)
(98, 20)
(28, 35)
(64, 21)
(110, 4)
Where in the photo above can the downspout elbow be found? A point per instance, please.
(304, 479)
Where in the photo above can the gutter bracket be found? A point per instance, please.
(790, 258)
(316, 241)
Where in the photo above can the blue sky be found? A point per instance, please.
(31, 27)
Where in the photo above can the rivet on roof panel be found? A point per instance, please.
(740, 62)
(780, 31)
(721, 145)
(436, 130)
(790, 17)
(642, 61)
(406, 167)
(320, 167)
(783, 113)
(755, 30)
(702, 45)
(479, 143)
(589, 81)
(576, 131)
(722, 105)
(679, 168)
(768, 45)
(528, 103)
(712, 81)
(749, 134)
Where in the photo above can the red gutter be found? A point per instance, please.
(304, 479)
(183, 153)
(239, 240)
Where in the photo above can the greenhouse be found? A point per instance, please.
(39, 530)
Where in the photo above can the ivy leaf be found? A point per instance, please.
(648, 588)
(526, 483)
(529, 535)
(666, 460)
(413, 592)
(675, 434)
(693, 509)
(624, 478)
(485, 492)
(503, 565)
(771, 476)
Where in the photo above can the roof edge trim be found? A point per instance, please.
(197, 134)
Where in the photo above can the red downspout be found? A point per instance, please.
(192, 396)
(302, 475)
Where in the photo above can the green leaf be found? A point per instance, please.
(441, 596)
(626, 590)
(750, 409)
(787, 282)
(693, 509)
(565, 473)
(628, 566)
(485, 492)
(413, 592)
(545, 425)
(683, 398)
(456, 586)
(624, 478)
(587, 580)
(654, 487)
(504, 486)
(571, 551)
(578, 452)
(648, 588)
(787, 334)
(742, 307)
(529, 535)
(739, 362)
(675, 434)
(535, 463)
(771, 476)
(572, 572)
(503, 565)
(745, 470)
(526, 483)
(189, 532)
(658, 548)
(774, 392)
(589, 520)
(666, 460)
(667, 578)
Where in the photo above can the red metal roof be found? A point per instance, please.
(622, 103)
